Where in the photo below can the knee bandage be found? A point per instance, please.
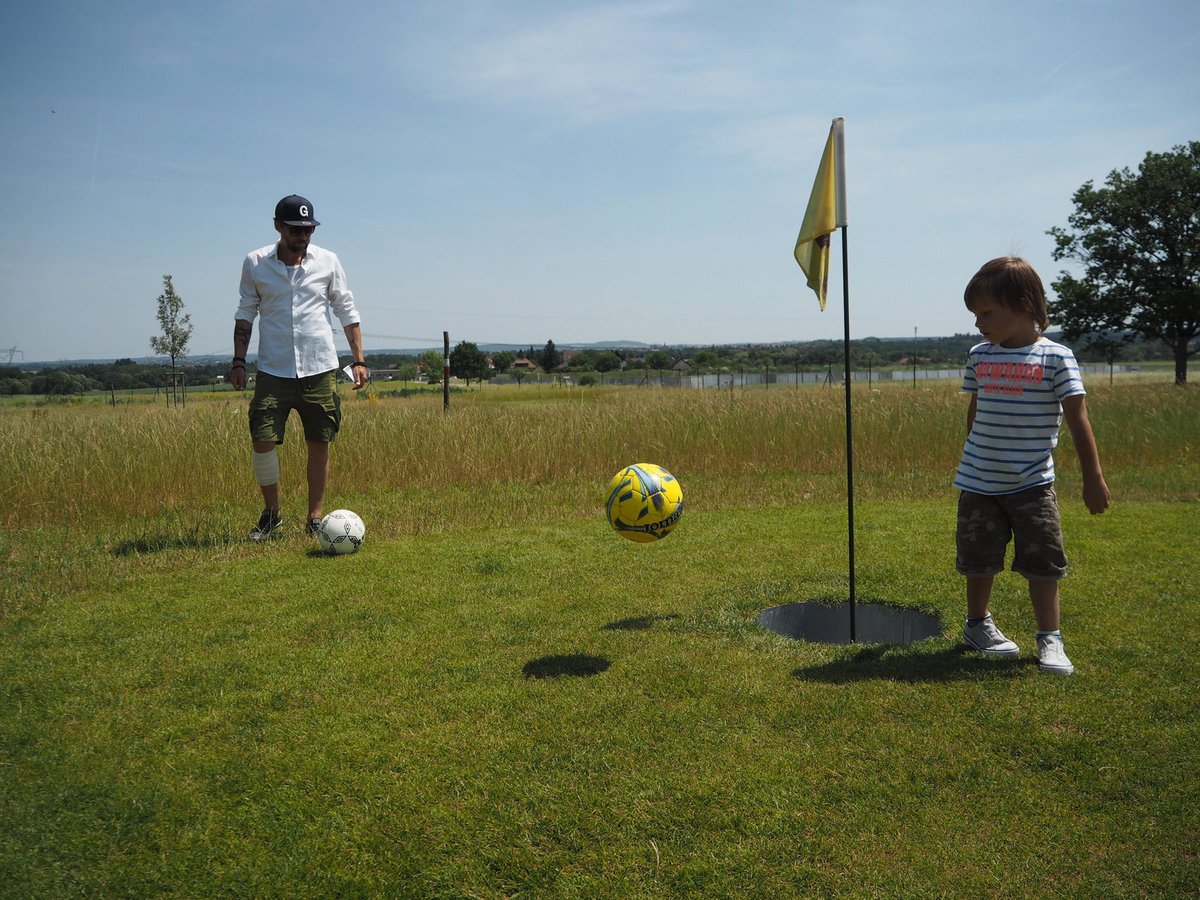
(266, 468)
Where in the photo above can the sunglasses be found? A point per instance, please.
(297, 230)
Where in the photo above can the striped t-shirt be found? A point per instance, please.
(1019, 395)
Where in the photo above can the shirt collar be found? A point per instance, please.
(305, 258)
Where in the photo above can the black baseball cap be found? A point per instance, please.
(295, 210)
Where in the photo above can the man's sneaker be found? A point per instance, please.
(987, 638)
(1051, 655)
(310, 530)
(270, 525)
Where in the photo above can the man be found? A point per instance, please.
(296, 287)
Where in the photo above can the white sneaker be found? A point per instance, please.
(987, 638)
(1051, 655)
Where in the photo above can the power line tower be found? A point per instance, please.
(10, 353)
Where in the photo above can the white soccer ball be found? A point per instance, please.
(342, 531)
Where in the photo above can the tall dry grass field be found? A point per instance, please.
(528, 450)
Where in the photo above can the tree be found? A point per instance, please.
(467, 361)
(434, 363)
(176, 328)
(607, 361)
(517, 372)
(585, 361)
(1108, 346)
(549, 358)
(13, 381)
(503, 360)
(60, 382)
(658, 359)
(1138, 239)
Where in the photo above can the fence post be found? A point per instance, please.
(446, 371)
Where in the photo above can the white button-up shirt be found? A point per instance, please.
(296, 303)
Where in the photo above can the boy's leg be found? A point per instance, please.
(979, 631)
(1052, 657)
(979, 594)
(981, 539)
(1044, 596)
(1040, 557)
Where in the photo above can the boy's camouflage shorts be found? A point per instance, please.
(1029, 517)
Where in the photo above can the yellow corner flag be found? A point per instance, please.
(826, 212)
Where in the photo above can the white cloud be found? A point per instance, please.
(588, 64)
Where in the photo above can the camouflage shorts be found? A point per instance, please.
(315, 398)
(1029, 517)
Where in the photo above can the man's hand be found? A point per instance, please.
(237, 376)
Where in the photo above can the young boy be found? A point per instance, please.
(1021, 386)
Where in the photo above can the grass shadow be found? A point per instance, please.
(638, 623)
(576, 665)
(146, 544)
(886, 663)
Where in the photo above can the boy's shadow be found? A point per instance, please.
(876, 662)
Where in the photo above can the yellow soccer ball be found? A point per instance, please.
(645, 502)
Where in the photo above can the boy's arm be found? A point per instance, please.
(1095, 491)
(972, 408)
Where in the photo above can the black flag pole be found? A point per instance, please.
(849, 436)
(838, 133)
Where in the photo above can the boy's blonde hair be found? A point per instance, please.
(1013, 283)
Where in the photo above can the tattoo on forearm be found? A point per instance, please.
(242, 331)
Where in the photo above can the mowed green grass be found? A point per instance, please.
(500, 697)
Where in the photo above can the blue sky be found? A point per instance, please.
(573, 171)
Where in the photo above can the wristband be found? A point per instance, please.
(240, 359)
(360, 363)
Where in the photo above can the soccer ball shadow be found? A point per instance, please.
(639, 623)
(576, 665)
